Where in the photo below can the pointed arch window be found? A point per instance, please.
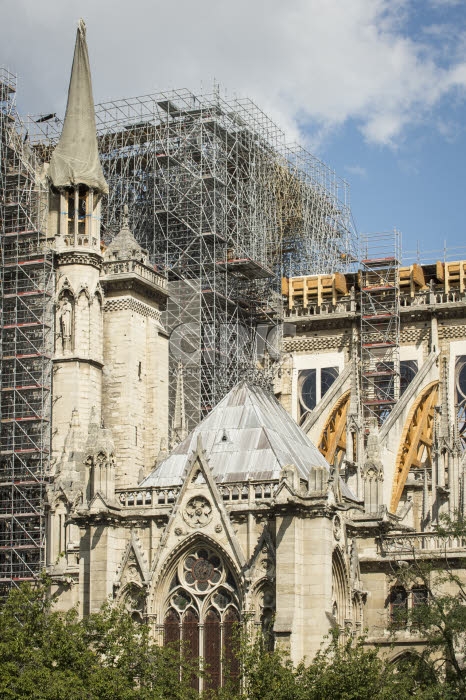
(202, 610)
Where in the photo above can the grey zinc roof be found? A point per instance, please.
(247, 436)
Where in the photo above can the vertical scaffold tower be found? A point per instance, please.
(193, 172)
(218, 196)
(380, 325)
(26, 350)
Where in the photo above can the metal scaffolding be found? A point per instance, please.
(225, 207)
(380, 325)
(222, 203)
(26, 349)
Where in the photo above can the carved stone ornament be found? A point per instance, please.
(198, 512)
(337, 527)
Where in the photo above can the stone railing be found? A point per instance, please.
(248, 491)
(343, 306)
(420, 542)
(152, 496)
(431, 298)
(118, 267)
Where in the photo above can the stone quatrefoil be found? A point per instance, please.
(198, 512)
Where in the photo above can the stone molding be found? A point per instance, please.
(314, 344)
(450, 332)
(80, 258)
(130, 304)
(413, 334)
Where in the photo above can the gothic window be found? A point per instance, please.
(212, 647)
(404, 603)
(202, 610)
(460, 397)
(419, 599)
(307, 387)
(385, 386)
(327, 376)
(171, 627)
(408, 370)
(398, 606)
(313, 384)
(419, 596)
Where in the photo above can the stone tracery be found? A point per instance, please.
(201, 609)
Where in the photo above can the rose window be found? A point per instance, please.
(202, 570)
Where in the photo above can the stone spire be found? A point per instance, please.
(75, 160)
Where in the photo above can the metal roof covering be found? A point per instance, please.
(247, 436)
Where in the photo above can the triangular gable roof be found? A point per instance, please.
(247, 436)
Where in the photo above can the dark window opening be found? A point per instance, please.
(398, 606)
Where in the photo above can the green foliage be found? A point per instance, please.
(46, 654)
(51, 655)
(340, 671)
(439, 619)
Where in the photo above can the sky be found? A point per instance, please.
(374, 88)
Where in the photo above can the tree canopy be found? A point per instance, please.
(47, 654)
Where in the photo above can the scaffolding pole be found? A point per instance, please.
(26, 349)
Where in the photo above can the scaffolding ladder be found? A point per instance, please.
(380, 326)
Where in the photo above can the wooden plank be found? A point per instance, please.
(340, 283)
(439, 271)
(405, 275)
(418, 275)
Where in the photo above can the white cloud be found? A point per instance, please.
(357, 170)
(309, 63)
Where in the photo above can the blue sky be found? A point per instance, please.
(375, 88)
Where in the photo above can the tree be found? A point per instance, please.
(342, 670)
(436, 582)
(51, 655)
(47, 654)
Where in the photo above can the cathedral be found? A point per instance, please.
(288, 503)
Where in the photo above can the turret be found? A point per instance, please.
(136, 356)
(77, 185)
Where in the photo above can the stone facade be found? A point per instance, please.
(293, 515)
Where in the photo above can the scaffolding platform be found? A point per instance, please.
(246, 267)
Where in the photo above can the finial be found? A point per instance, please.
(125, 217)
